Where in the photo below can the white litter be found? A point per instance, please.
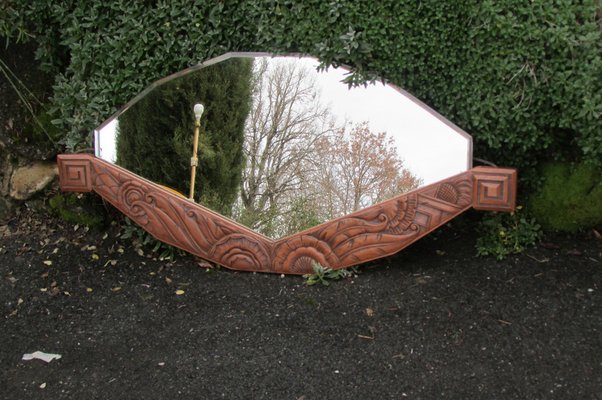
(40, 355)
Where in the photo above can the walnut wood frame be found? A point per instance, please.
(374, 232)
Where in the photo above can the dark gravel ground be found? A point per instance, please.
(432, 322)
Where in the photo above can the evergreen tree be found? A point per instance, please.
(155, 135)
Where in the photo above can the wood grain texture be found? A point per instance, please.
(377, 231)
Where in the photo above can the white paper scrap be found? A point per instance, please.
(40, 355)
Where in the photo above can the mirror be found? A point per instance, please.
(283, 145)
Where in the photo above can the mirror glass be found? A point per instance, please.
(283, 145)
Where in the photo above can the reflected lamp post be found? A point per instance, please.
(194, 161)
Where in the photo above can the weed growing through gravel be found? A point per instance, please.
(325, 275)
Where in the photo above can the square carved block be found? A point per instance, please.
(74, 173)
(494, 189)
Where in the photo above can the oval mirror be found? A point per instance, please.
(282, 144)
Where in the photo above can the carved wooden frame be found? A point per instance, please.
(374, 232)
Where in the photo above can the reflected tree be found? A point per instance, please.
(286, 120)
(356, 168)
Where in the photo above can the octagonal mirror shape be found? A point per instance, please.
(273, 164)
(283, 144)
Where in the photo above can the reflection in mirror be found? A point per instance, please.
(283, 146)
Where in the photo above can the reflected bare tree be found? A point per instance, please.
(286, 120)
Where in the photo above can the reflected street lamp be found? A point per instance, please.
(194, 161)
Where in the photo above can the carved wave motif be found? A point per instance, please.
(404, 217)
(369, 247)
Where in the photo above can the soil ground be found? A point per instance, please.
(433, 322)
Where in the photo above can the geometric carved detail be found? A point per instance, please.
(74, 173)
(374, 232)
(494, 189)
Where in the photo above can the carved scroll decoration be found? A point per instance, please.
(377, 231)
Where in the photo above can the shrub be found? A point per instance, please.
(502, 234)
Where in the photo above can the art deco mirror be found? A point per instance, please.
(288, 165)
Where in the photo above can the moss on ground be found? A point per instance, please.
(77, 209)
(570, 198)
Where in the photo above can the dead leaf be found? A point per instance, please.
(168, 280)
(370, 312)
(597, 234)
(204, 263)
(47, 262)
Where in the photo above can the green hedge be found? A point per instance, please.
(523, 77)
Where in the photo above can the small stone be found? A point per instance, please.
(31, 179)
